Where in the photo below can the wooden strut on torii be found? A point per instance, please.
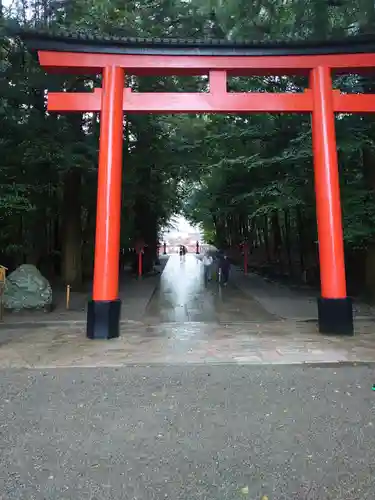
(318, 61)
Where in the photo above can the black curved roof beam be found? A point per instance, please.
(91, 43)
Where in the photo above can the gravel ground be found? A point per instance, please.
(188, 432)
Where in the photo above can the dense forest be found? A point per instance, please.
(247, 177)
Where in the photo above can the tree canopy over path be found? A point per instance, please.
(241, 177)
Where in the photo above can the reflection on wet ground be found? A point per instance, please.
(182, 296)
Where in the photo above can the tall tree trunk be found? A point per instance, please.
(145, 230)
(301, 243)
(369, 175)
(38, 220)
(367, 24)
(72, 201)
(72, 229)
(277, 241)
(288, 241)
(88, 243)
(267, 239)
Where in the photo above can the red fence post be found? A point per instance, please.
(140, 262)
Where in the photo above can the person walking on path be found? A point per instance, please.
(207, 263)
(182, 253)
(224, 267)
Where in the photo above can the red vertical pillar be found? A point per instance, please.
(334, 307)
(103, 316)
(140, 263)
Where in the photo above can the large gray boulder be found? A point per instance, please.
(26, 288)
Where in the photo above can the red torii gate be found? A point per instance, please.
(115, 57)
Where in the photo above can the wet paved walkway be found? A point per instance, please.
(188, 322)
(189, 343)
(183, 297)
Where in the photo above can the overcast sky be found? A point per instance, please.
(181, 225)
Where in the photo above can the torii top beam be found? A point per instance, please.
(76, 53)
(142, 56)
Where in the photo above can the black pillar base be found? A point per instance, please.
(103, 319)
(335, 316)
